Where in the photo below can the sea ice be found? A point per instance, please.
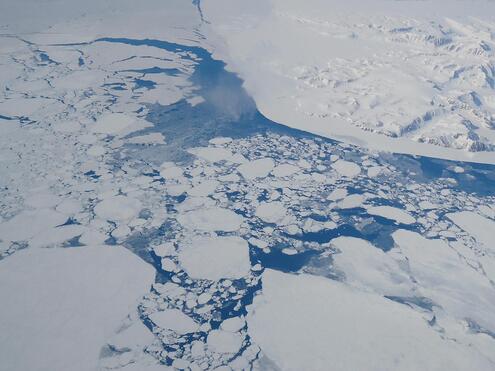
(28, 224)
(149, 139)
(351, 201)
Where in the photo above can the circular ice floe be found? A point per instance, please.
(374, 171)
(214, 258)
(392, 213)
(211, 219)
(346, 168)
(120, 208)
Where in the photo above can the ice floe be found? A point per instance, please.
(56, 302)
(392, 213)
(174, 320)
(346, 168)
(211, 219)
(215, 258)
(271, 212)
(367, 267)
(118, 208)
(481, 228)
(338, 320)
(256, 169)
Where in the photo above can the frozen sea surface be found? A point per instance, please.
(270, 247)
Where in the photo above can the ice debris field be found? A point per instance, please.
(153, 218)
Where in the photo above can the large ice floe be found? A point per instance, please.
(331, 316)
(152, 218)
(60, 305)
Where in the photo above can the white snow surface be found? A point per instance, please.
(60, 305)
(347, 329)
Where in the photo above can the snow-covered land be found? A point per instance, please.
(153, 218)
(407, 76)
